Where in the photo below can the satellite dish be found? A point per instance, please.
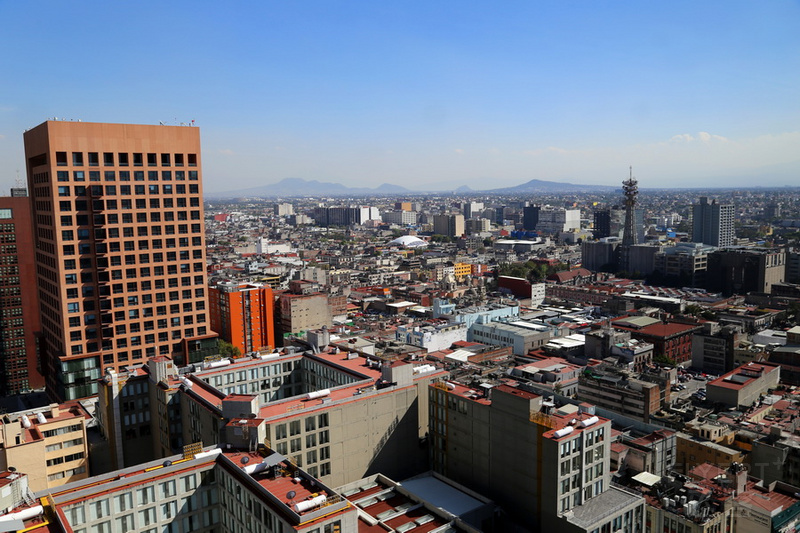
(244, 460)
(167, 463)
(251, 415)
(290, 495)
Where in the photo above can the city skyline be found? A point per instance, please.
(427, 97)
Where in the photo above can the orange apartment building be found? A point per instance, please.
(19, 301)
(243, 314)
(120, 256)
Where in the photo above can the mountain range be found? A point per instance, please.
(298, 187)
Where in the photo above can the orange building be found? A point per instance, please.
(243, 314)
(120, 248)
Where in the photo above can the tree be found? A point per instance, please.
(227, 349)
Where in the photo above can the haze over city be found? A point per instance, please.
(424, 96)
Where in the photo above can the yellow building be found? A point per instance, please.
(693, 450)
(462, 270)
(49, 445)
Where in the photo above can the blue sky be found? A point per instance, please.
(424, 94)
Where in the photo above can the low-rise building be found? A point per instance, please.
(622, 391)
(49, 444)
(522, 336)
(671, 340)
(198, 490)
(744, 385)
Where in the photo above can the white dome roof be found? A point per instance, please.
(409, 241)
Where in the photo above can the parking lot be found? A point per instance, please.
(691, 385)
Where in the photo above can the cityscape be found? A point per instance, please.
(590, 360)
(362, 267)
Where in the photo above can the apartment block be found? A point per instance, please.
(199, 490)
(713, 223)
(548, 465)
(49, 445)
(449, 225)
(120, 258)
(623, 392)
(243, 314)
(340, 415)
(302, 312)
(20, 322)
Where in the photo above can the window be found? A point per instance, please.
(168, 489)
(99, 509)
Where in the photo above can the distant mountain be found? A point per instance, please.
(301, 187)
(550, 187)
(290, 187)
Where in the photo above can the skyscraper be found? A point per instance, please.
(120, 258)
(19, 303)
(712, 223)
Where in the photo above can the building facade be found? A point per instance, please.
(243, 314)
(712, 223)
(118, 215)
(49, 445)
(19, 301)
(449, 225)
(549, 465)
(743, 270)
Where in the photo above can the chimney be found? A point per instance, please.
(54, 410)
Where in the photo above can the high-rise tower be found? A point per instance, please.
(120, 257)
(630, 189)
(712, 223)
(19, 303)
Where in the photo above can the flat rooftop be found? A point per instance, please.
(607, 503)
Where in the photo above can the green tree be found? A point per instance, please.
(227, 349)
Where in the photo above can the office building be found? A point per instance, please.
(475, 226)
(402, 218)
(283, 210)
(684, 264)
(549, 465)
(530, 217)
(19, 300)
(118, 217)
(712, 223)
(473, 209)
(243, 314)
(714, 347)
(449, 225)
(743, 270)
(553, 220)
(345, 216)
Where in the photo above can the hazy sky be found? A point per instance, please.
(423, 94)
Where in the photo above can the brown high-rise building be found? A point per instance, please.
(19, 300)
(120, 258)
